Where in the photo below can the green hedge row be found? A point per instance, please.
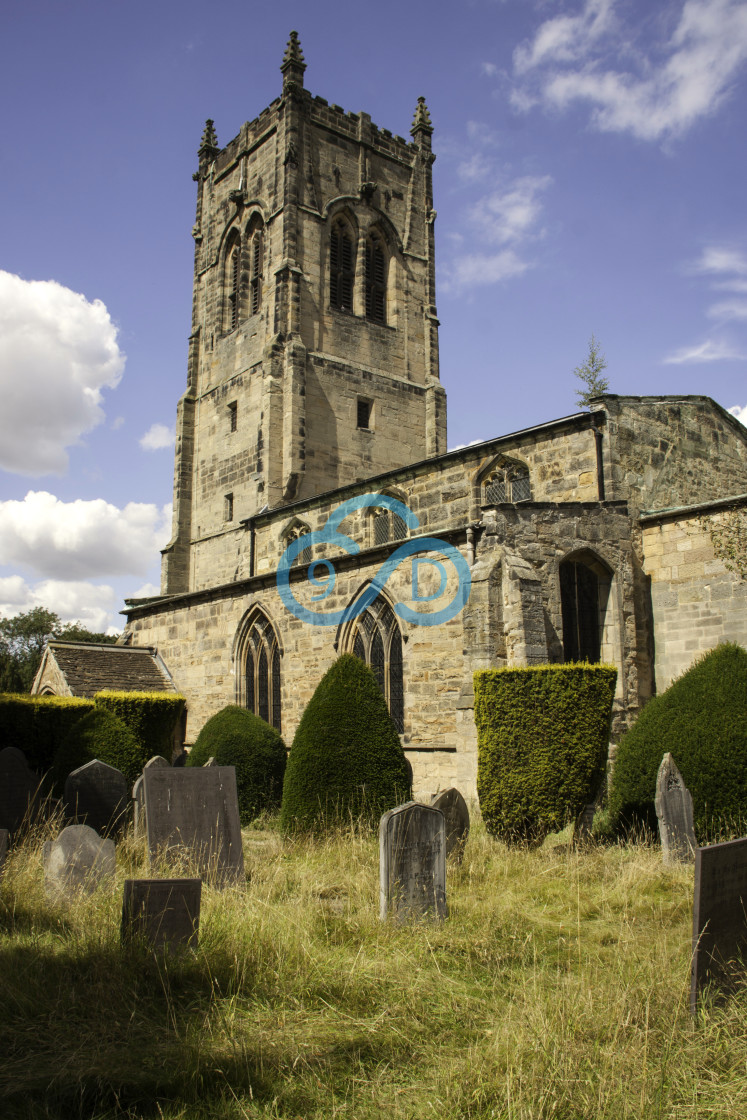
(154, 718)
(542, 742)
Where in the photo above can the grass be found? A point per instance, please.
(557, 988)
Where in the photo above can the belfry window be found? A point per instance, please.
(232, 282)
(377, 641)
(255, 252)
(375, 279)
(341, 267)
(262, 671)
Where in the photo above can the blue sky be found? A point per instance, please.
(589, 178)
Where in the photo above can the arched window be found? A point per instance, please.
(341, 266)
(255, 252)
(584, 594)
(508, 482)
(387, 526)
(376, 278)
(232, 282)
(260, 669)
(298, 530)
(377, 640)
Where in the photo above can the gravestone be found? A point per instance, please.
(196, 811)
(211, 761)
(674, 810)
(165, 912)
(412, 863)
(158, 762)
(719, 916)
(19, 787)
(78, 860)
(4, 836)
(456, 817)
(97, 795)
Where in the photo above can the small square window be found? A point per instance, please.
(233, 415)
(228, 507)
(364, 413)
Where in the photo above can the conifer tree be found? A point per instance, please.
(590, 374)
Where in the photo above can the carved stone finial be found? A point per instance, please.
(209, 142)
(293, 64)
(422, 120)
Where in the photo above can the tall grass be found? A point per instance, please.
(557, 988)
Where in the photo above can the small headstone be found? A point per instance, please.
(674, 810)
(719, 916)
(4, 837)
(78, 860)
(97, 795)
(165, 912)
(19, 787)
(456, 815)
(158, 762)
(412, 863)
(196, 812)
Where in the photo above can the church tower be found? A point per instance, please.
(313, 357)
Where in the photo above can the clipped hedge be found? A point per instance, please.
(38, 725)
(99, 734)
(346, 761)
(236, 737)
(152, 717)
(701, 720)
(542, 741)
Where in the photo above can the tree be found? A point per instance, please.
(729, 539)
(22, 641)
(590, 374)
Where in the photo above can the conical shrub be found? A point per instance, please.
(346, 762)
(701, 720)
(236, 737)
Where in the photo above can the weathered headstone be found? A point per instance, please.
(674, 810)
(719, 916)
(78, 860)
(97, 795)
(158, 762)
(4, 837)
(19, 787)
(412, 863)
(196, 811)
(456, 816)
(165, 912)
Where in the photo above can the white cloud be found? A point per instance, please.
(674, 83)
(489, 69)
(719, 259)
(508, 215)
(157, 437)
(711, 350)
(477, 167)
(476, 269)
(57, 353)
(81, 539)
(728, 309)
(740, 413)
(93, 605)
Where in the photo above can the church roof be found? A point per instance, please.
(87, 668)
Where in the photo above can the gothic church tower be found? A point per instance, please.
(313, 357)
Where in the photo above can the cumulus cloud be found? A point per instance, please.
(58, 351)
(93, 605)
(712, 350)
(78, 540)
(157, 437)
(666, 87)
(740, 413)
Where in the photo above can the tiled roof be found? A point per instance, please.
(89, 668)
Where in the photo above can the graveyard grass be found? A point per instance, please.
(557, 988)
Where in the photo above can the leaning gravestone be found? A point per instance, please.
(158, 762)
(412, 863)
(78, 860)
(97, 795)
(674, 810)
(456, 816)
(719, 916)
(19, 787)
(164, 912)
(196, 811)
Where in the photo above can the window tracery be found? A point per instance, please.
(377, 640)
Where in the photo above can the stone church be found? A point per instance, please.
(314, 393)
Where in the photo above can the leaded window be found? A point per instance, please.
(507, 483)
(262, 671)
(388, 526)
(375, 279)
(341, 267)
(378, 642)
(304, 556)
